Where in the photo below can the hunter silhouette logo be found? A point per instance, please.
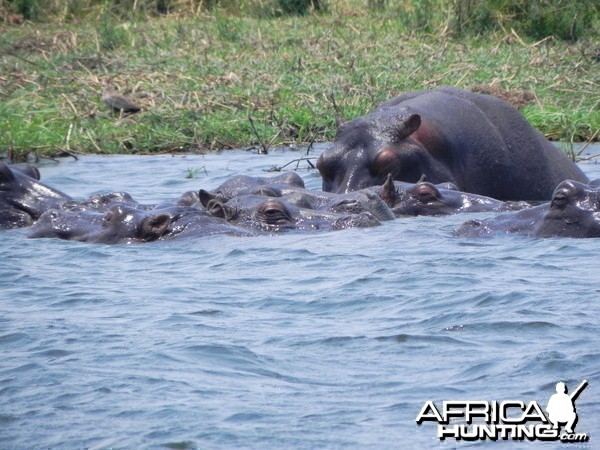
(561, 406)
(510, 419)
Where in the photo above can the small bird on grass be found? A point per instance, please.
(119, 104)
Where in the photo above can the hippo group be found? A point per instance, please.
(435, 152)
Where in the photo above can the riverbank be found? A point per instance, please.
(218, 81)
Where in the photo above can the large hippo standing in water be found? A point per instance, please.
(476, 141)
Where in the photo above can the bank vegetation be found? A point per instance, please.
(226, 74)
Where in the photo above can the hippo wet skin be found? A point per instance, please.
(23, 198)
(124, 223)
(478, 142)
(426, 199)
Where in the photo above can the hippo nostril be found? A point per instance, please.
(560, 199)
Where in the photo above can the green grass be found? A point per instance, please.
(200, 79)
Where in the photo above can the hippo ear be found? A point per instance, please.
(206, 197)
(409, 125)
(404, 128)
(388, 192)
(217, 208)
(155, 226)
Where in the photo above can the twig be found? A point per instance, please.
(265, 148)
(310, 144)
(64, 152)
(297, 161)
(23, 59)
(585, 146)
(339, 118)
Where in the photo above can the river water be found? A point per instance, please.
(297, 340)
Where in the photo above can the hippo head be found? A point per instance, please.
(367, 149)
(102, 201)
(71, 222)
(245, 185)
(574, 212)
(428, 199)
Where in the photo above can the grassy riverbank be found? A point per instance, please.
(221, 81)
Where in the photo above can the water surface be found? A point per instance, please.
(298, 340)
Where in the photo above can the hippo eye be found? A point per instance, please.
(403, 166)
(426, 193)
(274, 213)
(386, 162)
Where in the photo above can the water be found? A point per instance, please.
(300, 340)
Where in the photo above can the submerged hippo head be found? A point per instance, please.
(103, 201)
(426, 199)
(127, 224)
(23, 198)
(275, 214)
(70, 223)
(574, 212)
(246, 185)
(119, 223)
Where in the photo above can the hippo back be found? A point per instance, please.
(501, 154)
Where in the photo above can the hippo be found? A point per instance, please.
(477, 142)
(103, 201)
(272, 214)
(70, 222)
(427, 199)
(574, 211)
(23, 198)
(123, 223)
(244, 184)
